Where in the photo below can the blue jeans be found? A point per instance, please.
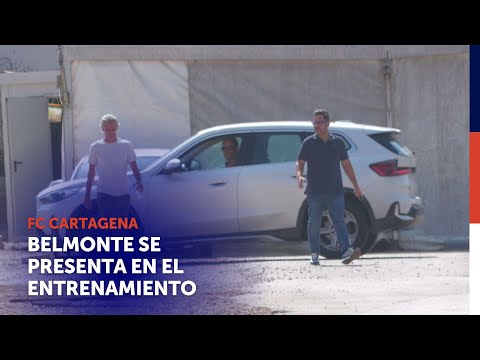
(335, 203)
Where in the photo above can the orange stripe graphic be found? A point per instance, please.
(474, 177)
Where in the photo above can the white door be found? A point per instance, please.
(268, 195)
(30, 156)
(193, 204)
(199, 202)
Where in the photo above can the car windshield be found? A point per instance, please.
(142, 162)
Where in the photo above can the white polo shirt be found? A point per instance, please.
(111, 161)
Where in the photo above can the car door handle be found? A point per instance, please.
(217, 184)
(15, 163)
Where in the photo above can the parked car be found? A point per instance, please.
(145, 157)
(64, 199)
(192, 197)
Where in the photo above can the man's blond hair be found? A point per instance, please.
(108, 118)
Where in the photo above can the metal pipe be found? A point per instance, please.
(387, 74)
(62, 82)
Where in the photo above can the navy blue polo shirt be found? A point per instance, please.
(323, 161)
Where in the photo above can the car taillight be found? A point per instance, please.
(389, 168)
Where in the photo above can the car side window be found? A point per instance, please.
(348, 145)
(213, 153)
(283, 147)
(276, 147)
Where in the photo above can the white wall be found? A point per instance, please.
(150, 99)
(22, 58)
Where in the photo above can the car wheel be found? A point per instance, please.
(83, 212)
(357, 227)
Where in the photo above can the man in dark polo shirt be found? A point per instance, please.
(323, 152)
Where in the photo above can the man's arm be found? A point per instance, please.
(138, 176)
(299, 173)
(347, 166)
(90, 177)
(300, 164)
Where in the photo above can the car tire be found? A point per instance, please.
(82, 211)
(357, 227)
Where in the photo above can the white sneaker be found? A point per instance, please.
(314, 259)
(350, 255)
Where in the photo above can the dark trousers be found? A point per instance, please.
(113, 206)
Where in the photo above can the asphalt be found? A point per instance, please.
(270, 278)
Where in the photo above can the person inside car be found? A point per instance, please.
(230, 151)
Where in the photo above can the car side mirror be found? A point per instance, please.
(174, 166)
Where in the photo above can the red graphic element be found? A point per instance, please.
(474, 178)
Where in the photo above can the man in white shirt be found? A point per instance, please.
(110, 157)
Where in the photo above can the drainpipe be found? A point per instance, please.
(62, 81)
(387, 74)
(67, 128)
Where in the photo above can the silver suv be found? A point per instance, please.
(192, 196)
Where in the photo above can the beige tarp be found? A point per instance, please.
(150, 100)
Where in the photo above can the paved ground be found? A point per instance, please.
(275, 278)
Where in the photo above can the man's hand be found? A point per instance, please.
(299, 167)
(139, 187)
(358, 192)
(87, 203)
(348, 168)
(300, 181)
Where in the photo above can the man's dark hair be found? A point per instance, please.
(322, 112)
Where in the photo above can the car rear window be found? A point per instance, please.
(389, 141)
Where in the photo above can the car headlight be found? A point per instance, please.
(58, 195)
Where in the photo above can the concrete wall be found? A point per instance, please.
(253, 52)
(22, 58)
(223, 92)
(431, 107)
